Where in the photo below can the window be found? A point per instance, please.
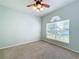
(58, 30)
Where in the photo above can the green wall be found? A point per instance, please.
(17, 27)
(68, 12)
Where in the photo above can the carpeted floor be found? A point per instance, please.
(38, 50)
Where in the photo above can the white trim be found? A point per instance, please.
(22, 43)
(61, 46)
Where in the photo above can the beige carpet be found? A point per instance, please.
(38, 50)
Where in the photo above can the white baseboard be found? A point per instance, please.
(22, 43)
(62, 46)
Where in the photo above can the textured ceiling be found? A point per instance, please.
(20, 5)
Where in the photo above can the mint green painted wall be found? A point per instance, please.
(68, 12)
(17, 27)
(1, 21)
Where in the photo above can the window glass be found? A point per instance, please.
(58, 31)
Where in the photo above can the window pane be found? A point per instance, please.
(58, 31)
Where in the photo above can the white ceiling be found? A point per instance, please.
(21, 5)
